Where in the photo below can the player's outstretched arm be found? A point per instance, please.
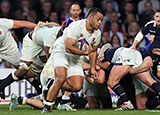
(137, 39)
(20, 24)
(156, 51)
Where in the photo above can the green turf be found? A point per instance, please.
(27, 110)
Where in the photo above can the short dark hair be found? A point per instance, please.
(157, 10)
(76, 2)
(93, 11)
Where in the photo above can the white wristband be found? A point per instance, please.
(139, 36)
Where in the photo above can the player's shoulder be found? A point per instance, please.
(97, 32)
(78, 23)
(151, 23)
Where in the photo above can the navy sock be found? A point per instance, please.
(156, 87)
(36, 84)
(7, 81)
(152, 103)
(118, 89)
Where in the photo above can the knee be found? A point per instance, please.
(112, 82)
(149, 63)
(77, 87)
(60, 80)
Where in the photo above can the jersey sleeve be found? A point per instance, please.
(145, 30)
(6, 23)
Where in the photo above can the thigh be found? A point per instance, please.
(141, 100)
(118, 72)
(75, 81)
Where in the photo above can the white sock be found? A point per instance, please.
(65, 97)
(48, 103)
(24, 100)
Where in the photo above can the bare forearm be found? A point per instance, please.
(92, 57)
(137, 39)
(75, 50)
(27, 24)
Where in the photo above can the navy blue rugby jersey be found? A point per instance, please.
(152, 28)
(108, 54)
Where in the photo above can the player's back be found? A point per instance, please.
(45, 35)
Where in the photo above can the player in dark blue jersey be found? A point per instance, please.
(152, 28)
(125, 59)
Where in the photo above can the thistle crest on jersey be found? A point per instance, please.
(83, 44)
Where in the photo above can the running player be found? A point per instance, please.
(9, 50)
(34, 54)
(66, 55)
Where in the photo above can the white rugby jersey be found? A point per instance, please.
(6, 39)
(77, 30)
(45, 36)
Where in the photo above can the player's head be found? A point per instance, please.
(75, 10)
(157, 16)
(94, 18)
(102, 50)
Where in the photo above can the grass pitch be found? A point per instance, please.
(27, 110)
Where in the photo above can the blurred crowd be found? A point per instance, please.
(122, 18)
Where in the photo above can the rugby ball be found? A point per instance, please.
(82, 44)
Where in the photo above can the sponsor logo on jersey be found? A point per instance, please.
(152, 31)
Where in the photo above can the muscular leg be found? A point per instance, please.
(145, 66)
(141, 100)
(73, 83)
(60, 77)
(115, 76)
(148, 80)
(17, 75)
(35, 103)
(34, 71)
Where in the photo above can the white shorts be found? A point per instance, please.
(140, 87)
(126, 56)
(29, 51)
(11, 55)
(73, 67)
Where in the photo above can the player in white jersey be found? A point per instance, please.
(8, 47)
(67, 51)
(35, 48)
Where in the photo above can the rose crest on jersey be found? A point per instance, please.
(0, 32)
